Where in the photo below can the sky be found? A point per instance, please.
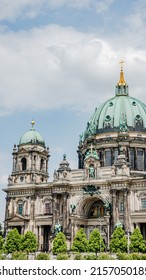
(59, 59)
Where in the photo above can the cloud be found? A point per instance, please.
(55, 67)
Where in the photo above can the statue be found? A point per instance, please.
(91, 190)
(123, 126)
(91, 171)
(57, 228)
(55, 175)
(9, 179)
(73, 207)
(81, 137)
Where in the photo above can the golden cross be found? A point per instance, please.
(121, 62)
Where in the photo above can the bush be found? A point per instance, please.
(59, 243)
(90, 257)
(105, 256)
(43, 256)
(124, 256)
(80, 242)
(137, 242)
(19, 255)
(78, 256)
(2, 255)
(118, 241)
(62, 257)
(143, 256)
(29, 242)
(135, 256)
(13, 241)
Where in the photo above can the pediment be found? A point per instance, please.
(23, 150)
(17, 218)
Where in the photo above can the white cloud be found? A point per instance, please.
(55, 67)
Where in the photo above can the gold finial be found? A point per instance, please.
(32, 123)
(122, 80)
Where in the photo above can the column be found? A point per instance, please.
(65, 212)
(114, 207)
(126, 207)
(40, 242)
(53, 211)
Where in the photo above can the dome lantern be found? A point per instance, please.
(122, 87)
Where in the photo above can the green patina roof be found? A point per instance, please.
(119, 113)
(32, 137)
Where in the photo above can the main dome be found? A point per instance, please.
(120, 113)
(32, 137)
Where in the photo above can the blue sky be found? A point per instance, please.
(59, 59)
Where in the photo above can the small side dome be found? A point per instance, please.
(32, 137)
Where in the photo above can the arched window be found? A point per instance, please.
(108, 158)
(131, 158)
(140, 159)
(115, 154)
(121, 206)
(20, 208)
(42, 164)
(23, 161)
(47, 208)
(143, 203)
(97, 210)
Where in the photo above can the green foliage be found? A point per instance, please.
(1, 231)
(13, 241)
(43, 256)
(96, 243)
(118, 241)
(1, 242)
(2, 255)
(59, 243)
(132, 256)
(143, 256)
(124, 256)
(78, 256)
(137, 243)
(80, 243)
(19, 255)
(90, 257)
(62, 257)
(29, 242)
(105, 256)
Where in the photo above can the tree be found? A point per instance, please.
(1, 231)
(59, 243)
(118, 241)
(13, 241)
(29, 242)
(96, 243)
(1, 242)
(137, 243)
(80, 243)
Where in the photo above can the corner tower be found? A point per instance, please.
(30, 159)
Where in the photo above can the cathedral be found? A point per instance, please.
(107, 190)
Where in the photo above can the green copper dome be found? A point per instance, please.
(120, 113)
(32, 137)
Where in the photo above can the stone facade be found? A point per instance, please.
(108, 188)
